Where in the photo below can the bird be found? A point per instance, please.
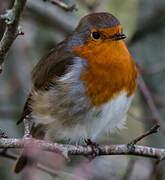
(84, 86)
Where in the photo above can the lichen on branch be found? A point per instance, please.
(11, 18)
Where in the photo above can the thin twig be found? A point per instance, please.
(153, 130)
(52, 172)
(155, 25)
(156, 68)
(90, 6)
(14, 156)
(129, 169)
(159, 100)
(51, 18)
(147, 95)
(63, 5)
(149, 100)
(11, 32)
(157, 171)
(8, 154)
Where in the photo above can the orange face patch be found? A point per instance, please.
(108, 32)
(110, 67)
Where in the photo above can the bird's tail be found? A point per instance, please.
(30, 155)
(21, 162)
(25, 160)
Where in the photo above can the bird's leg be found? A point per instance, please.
(27, 121)
(95, 149)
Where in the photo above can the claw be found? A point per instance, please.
(95, 149)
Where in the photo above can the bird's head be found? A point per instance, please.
(97, 29)
(98, 35)
(98, 39)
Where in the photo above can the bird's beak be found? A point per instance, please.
(119, 36)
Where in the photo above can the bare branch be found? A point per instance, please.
(156, 68)
(153, 130)
(148, 98)
(159, 100)
(62, 149)
(155, 25)
(63, 5)
(58, 19)
(14, 156)
(52, 172)
(90, 6)
(129, 169)
(12, 18)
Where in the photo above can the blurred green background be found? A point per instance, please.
(45, 25)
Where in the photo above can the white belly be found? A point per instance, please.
(104, 119)
(70, 106)
(112, 117)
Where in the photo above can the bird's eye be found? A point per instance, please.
(95, 35)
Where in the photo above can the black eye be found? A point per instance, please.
(96, 35)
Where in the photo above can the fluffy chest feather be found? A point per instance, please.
(112, 116)
(110, 70)
(69, 113)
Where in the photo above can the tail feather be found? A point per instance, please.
(21, 162)
(25, 160)
(29, 156)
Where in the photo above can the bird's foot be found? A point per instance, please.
(95, 149)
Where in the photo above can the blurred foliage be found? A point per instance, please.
(45, 25)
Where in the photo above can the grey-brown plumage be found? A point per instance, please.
(50, 67)
(59, 103)
(56, 62)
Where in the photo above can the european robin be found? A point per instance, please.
(84, 86)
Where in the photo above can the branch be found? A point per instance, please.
(65, 150)
(90, 6)
(129, 169)
(149, 100)
(154, 24)
(156, 68)
(153, 130)
(159, 100)
(12, 18)
(63, 5)
(50, 171)
(58, 19)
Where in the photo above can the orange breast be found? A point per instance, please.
(110, 70)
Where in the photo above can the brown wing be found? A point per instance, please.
(55, 63)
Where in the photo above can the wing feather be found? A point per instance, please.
(55, 63)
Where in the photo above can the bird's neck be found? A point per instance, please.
(110, 71)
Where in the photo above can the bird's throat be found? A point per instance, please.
(110, 70)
